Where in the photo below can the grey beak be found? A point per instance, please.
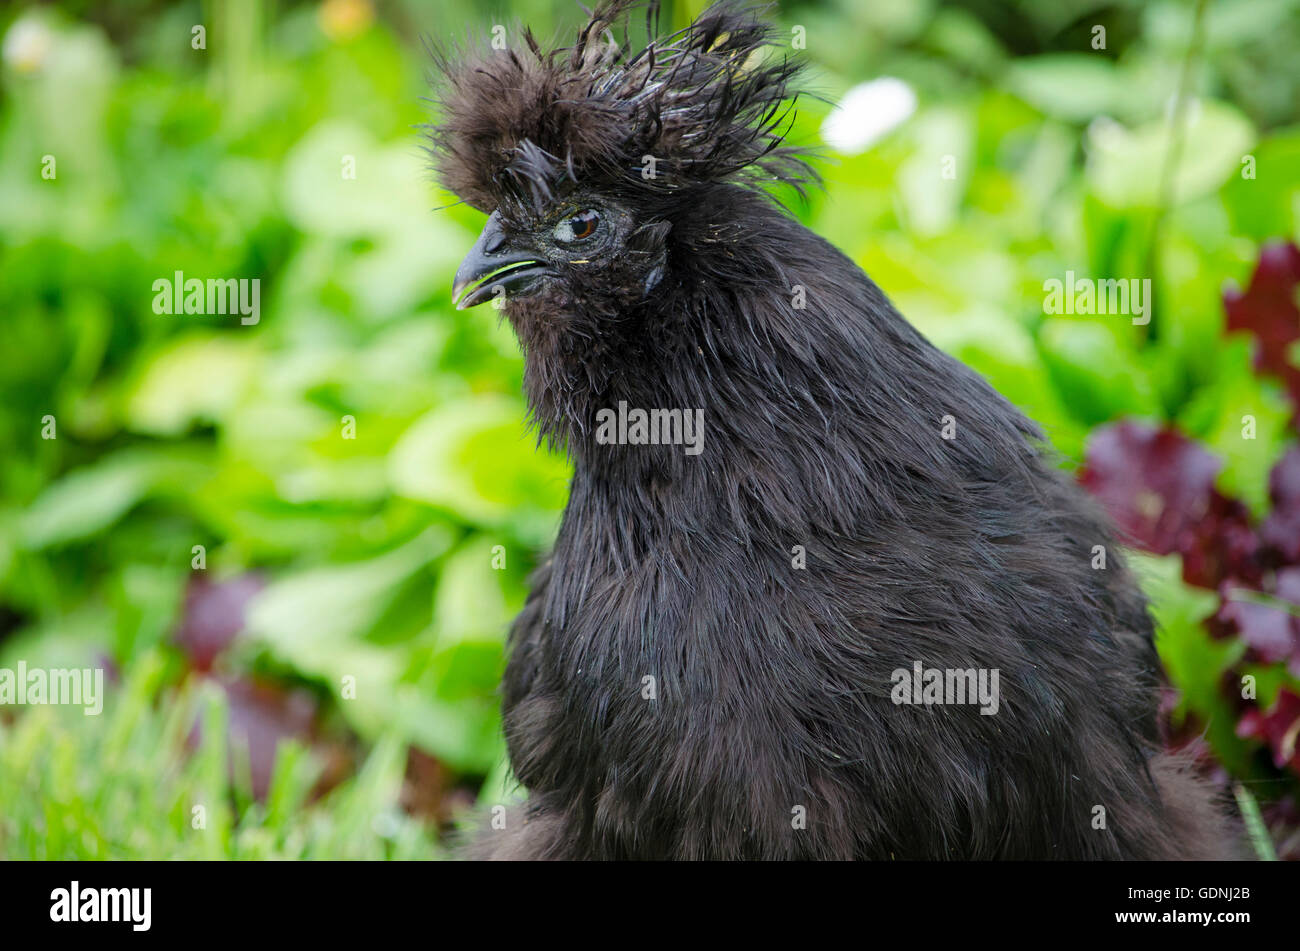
(493, 264)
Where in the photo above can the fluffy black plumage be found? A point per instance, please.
(772, 682)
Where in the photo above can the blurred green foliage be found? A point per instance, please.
(363, 446)
(139, 807)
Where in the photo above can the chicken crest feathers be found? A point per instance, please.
(706, 104)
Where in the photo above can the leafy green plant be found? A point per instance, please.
(74, 787)
(340, 502)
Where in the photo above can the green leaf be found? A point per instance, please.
(1071, 86)
(1255, 827)
(931, 199)
(475, 458)
(300, 613)
(1098, 377)
(470, 603)
(1266, 205)
(1194, 660)
(89, 500)
(1124, 166)
(195, 378)
(1243, 419)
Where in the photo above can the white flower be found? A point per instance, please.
(27, 44)
(867, 113)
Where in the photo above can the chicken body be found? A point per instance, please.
(707, 666)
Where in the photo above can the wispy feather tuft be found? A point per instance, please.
(709, 103)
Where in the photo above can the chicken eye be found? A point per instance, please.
(577, 227)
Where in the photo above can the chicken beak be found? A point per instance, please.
(493, 268)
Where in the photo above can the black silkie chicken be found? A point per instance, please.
(705, 666)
